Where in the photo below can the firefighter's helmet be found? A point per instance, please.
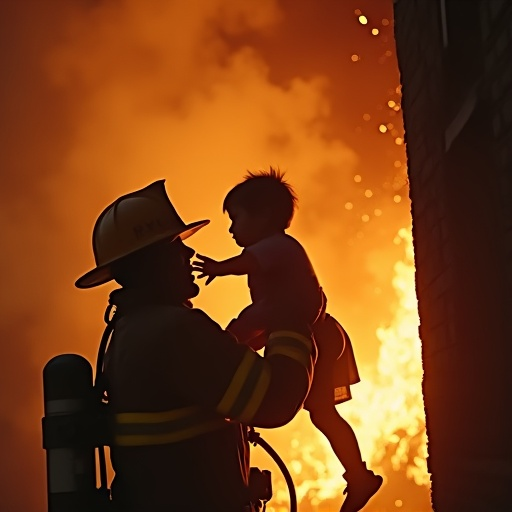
(130, 223)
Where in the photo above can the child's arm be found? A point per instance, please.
(247, 334)
(240, 265)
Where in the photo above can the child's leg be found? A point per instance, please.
(340, 436)
(362, 482)
(334, 345)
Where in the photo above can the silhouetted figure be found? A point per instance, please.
(180, 388)
(283, 284)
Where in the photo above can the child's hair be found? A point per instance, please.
(265, 192)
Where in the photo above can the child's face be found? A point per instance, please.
(246, 228)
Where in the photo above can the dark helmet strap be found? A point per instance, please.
(99, 384)
(99, 388)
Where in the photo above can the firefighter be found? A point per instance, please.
(181, 390)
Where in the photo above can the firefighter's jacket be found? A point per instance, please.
(180, 390)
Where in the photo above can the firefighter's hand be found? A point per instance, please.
(207, 267)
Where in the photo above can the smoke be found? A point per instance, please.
(102, 97)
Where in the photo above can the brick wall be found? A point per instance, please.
(455, 61)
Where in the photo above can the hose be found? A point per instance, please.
(99, 388)
(255, 438)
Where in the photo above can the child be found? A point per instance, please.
(282, 281)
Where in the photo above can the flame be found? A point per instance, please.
(400, 373)
(386, 412)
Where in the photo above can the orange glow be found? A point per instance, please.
(105, 97)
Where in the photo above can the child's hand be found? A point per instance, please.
(207, 267)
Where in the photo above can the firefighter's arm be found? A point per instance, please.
(237, 382)
(289, 353)
(258, 342)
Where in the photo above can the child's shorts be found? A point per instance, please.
(335, 368)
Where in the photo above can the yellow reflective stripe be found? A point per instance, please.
(237, 382)
(163, 427)
(285, 343)
(293, 335)
(295, 353)
(257, 397)
(155, 417)
(170, 437)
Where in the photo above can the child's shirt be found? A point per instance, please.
(285, 274)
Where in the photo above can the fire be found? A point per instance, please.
(400, 372)
(110, 96)
(386, 413)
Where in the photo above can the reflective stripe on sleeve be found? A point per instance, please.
(154, 428)
(246, 390)
(293, 345)
(293, 336)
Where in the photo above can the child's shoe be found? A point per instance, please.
(360, 488)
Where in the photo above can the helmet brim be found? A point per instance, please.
(103, 273)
